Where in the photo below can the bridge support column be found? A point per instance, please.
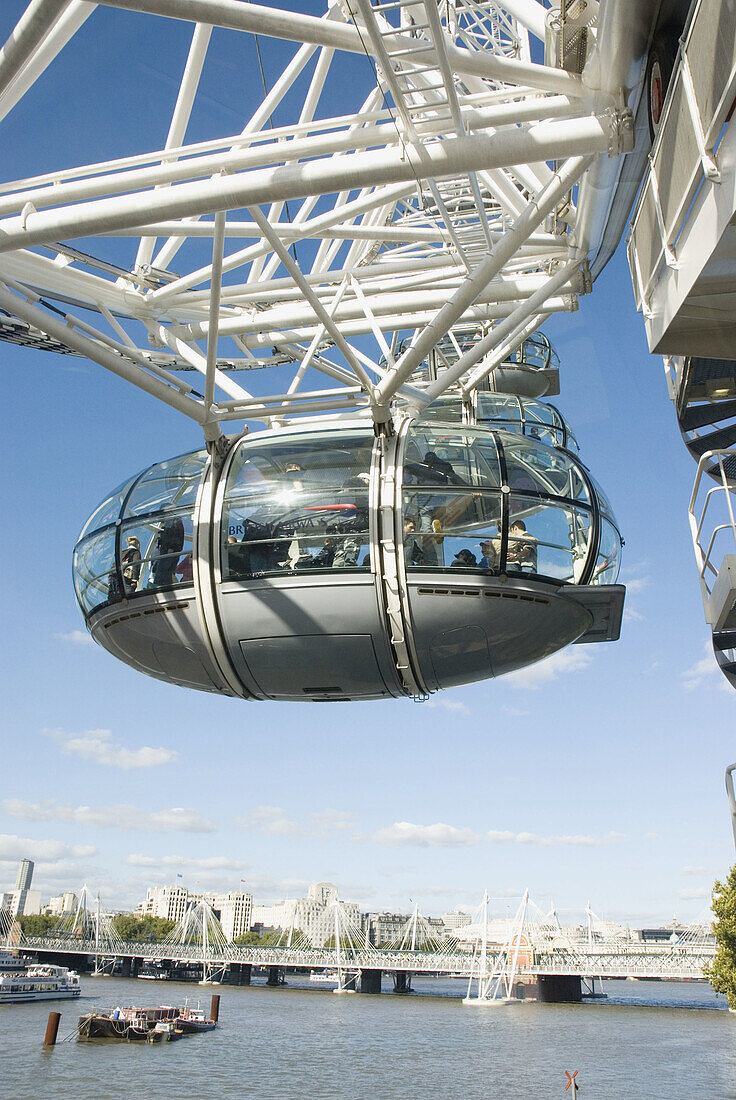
(370, 981)
(554, 988)
(240, 973)
(402, 981)
(275, 975)
(126, 966)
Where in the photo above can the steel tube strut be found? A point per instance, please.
(87, 348)
(27, 35)
(536, 211)
(549, 140)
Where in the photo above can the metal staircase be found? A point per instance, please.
(724, 647)
(413, 63)
(706, 408)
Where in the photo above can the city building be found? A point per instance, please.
(313, 916)
(234, 911)
(169, 902)
(324, 893)
(24, 900)
(456, 919)
(385, 928)
(61, 904)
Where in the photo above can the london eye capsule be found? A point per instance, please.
(324, 563)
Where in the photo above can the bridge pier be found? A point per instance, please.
(239, 974)
(275, 976)
(402, 981)
(554, 988)
(370, 981)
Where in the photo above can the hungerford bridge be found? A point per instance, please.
(531, 955)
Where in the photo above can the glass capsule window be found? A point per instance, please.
(94, 569)
(541, 519)
(445, 410)
(534, 419)
(297, 503)
(535, 351)
(140, 538)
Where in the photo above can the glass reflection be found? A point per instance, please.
(300, 503)
(452, 520)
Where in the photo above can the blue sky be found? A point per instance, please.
(597, 775)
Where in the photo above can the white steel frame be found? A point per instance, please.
(448, 197)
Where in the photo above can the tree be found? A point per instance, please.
(248, 939)
(137, 929)
(722, 971)
(37, 924)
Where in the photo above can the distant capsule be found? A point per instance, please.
(321, 563)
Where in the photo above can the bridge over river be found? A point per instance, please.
(535, 958)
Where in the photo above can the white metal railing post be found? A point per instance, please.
(710, 167)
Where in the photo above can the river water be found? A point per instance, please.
(647, 1040)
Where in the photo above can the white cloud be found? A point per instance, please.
(694, 895)
(636, 585)
(403, 834)
(176, 819)
(448, 704)
(182, 863)
(572, 659)
(76, 637)
(15, 848)
(98, 745)
(504, 836)
(514, 712)
(705, 673)
(272, 821)
(697, 871)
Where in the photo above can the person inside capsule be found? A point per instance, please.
(297, 505)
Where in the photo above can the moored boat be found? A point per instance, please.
(193, 1021)
(163, 1023)
(129, 1024)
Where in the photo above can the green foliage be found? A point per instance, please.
(135, 929)
(268, 939)
(38, 924)
(722, 971)
(345, 944)
(248, 939)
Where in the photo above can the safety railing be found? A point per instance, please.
(684, 154)
(713, 519)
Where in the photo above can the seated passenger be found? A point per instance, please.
(489, 556)
(346, 557)
(293, 476)
(323, 559)
(442, 466)
(464, 559)
(413, 553)
(522, 552)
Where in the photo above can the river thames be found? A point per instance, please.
(647, 1040)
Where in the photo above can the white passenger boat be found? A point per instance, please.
(39, 983)
(12, 964)
(326, 977)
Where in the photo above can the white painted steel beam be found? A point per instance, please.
(97, 353)
(369, 169)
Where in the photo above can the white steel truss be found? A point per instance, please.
(309, 243)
